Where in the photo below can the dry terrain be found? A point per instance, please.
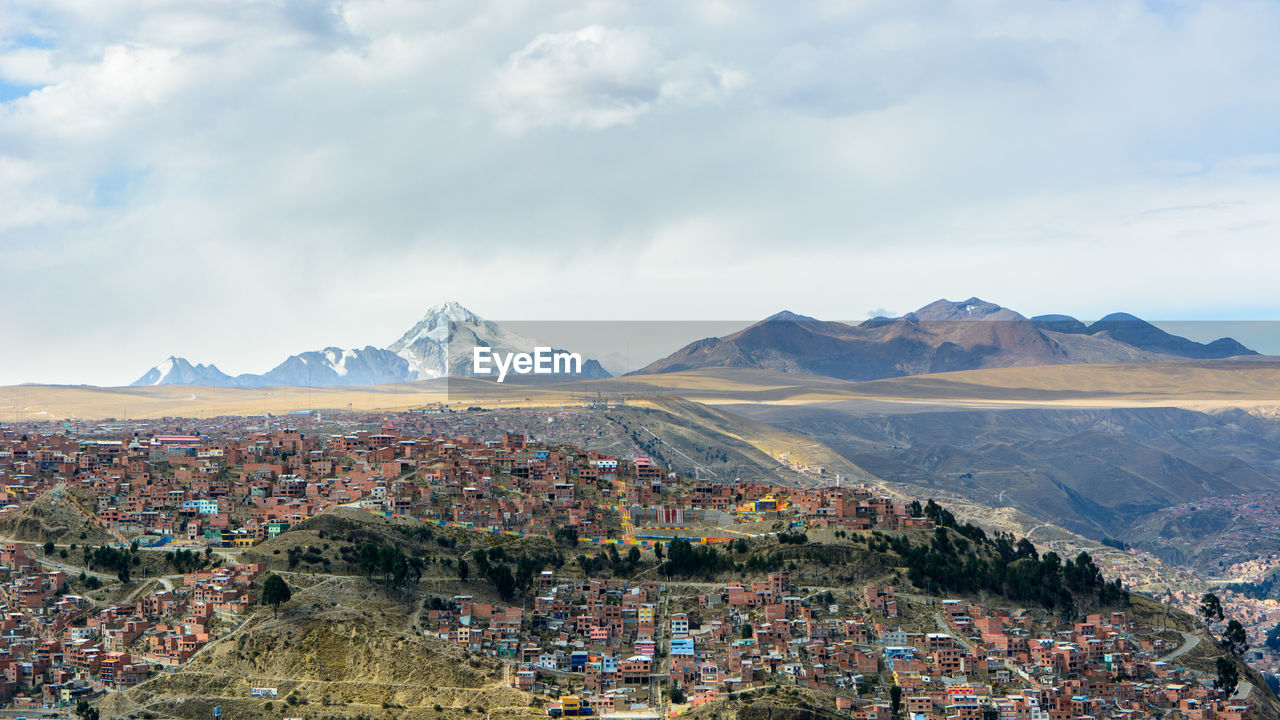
(1199, 385)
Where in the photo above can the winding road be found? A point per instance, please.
(1189, 643)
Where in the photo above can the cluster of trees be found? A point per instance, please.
(109, 558)
(492, 565)
(611, 561)
(961, 558)
(1260, 590)
(1234, 639)
(498, 573)
(1114, 543)
(763, 563)
(186, 561)
(310, 555)
(789, 538)
(685, 559)
(389, 561)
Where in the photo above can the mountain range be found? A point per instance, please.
(439, 345)
(942, 336)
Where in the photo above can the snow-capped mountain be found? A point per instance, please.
(178, 371)
(441, 342)
(439, 345)
(333, 367)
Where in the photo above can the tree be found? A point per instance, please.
(48, 547)
(1273, 638)
(502, 579)
(87, 711)
(463, 571)
(1228, 677)
(1210, 608)
(275, 592)
(567, 535)
(1235, 638)
(895, 697)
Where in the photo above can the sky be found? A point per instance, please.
(236, 181)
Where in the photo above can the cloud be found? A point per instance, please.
(347, 163)
(599, 77)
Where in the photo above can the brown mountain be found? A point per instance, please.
(942, 336)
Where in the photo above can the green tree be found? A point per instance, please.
(1273, 638)
(895, 697)
(275, 592)
(464, 572)
(48, 547)
(1235, 638)
(87, 711)
(1210, 608)
(502, 579)
(1228, 677)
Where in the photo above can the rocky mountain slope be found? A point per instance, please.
(943, 336)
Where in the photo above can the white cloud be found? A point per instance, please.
(598, 77)
(350, 162)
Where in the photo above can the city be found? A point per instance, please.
(619, 596)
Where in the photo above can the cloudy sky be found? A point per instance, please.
(235, 181)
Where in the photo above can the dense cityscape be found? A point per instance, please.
(150, 531)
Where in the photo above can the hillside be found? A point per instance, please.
(341, 648)
(1104, 473)
(351, 645)
(52, 517)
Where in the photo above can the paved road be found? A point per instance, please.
(946, 628)
(1189, 642)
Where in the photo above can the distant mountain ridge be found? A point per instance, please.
(942, 336)
(439, 345)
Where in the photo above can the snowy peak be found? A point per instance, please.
(179, 371)
(437, 325)
(438, 345)
(334, 366)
